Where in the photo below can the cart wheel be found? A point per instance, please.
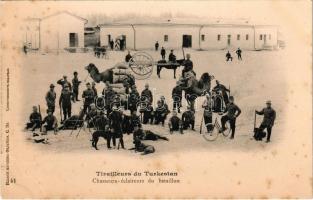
(210, 136)
(228, 130)
(142, 65)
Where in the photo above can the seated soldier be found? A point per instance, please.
(74, 121)
(146, 134)
(175, 123)
(34, 119)
(172, 57)
(228, 56)
(91, 116)
(188, 119)
(161, 112)
(50, 122)
(147, 110)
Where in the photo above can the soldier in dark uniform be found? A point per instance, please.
(140, 134)
(161, 112)
(64, 82)
(188, 119)
(233, 111)
(50, 122)
(76, 83)
(172, 57)
(115, 118)
(188, 65)
(228, 56)
(109, 96)
(128, 57)
(134, 121)
(177, 94)
(156, 45)
(146, 93)
(34, 119)
(65, 102)
(238, 52)
(92, 116)
(163, 53)
(175, 124)
(111, 44)
(93, 87)
(268, 120)
(88, 96)
(147, 111)
(50, 98)
(133, 99)
(223, 90)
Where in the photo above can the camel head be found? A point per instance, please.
(91, 67)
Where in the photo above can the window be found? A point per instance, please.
(247, 37)
(238, 37)
(270, 36)
(202, 37)
(261, 37)
(218, 37)
(165, 38)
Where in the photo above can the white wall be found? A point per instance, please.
(211, 37)
(271, 37)
(31, 34)
(54, 31)
(147, 35)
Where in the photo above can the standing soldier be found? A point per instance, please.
(147, 94)
(109, 96)
(94, 89)
(112, 44)
(207, 113)
(268, 120)
(50, 98)
(163, 53)
(65, 102)
(88, 96)
(133, 99)
(64, 82)
(238, 52)
(177, 94)
(156, 45)
(223, 90)
(115, 118)
(188, 65)
(76, 83)
(233, 111)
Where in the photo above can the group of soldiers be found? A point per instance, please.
(112, 118)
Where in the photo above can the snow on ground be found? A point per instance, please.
(255, 79)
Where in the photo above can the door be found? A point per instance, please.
(228, 40)
(73, 40)
(264, 36)
(187, 41)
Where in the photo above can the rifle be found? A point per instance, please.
(40, 118)
(61, 112)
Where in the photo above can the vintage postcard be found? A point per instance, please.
(156, 99)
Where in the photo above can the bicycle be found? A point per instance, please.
(213, 134)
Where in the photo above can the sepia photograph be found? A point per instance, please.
(156, 99)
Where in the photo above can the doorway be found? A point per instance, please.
(73, 40)
(187, 41)
(264, 36)
(228, 40)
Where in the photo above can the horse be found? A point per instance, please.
(169, 65)
(108, 75)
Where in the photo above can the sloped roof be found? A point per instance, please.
(65, 12)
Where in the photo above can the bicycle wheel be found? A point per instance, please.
(209, 136)
(228, 130)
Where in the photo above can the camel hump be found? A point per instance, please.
(121, 66)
